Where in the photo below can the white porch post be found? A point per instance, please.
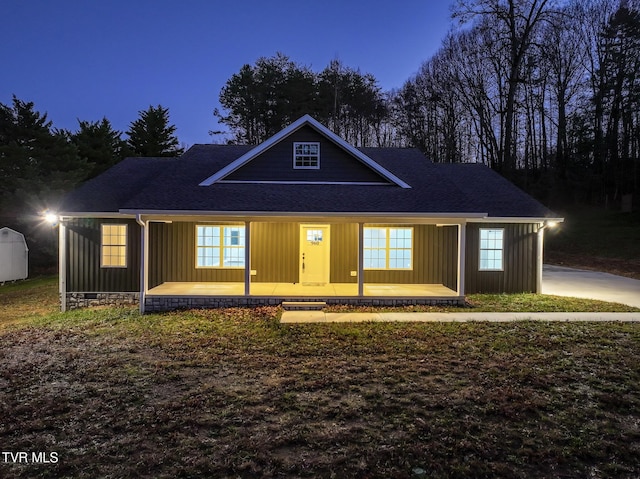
(144, 261)
(360, 259)
(247, 258)
(62, 264)
(462, 249)
(539, 258)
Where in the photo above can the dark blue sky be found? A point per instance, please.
(80, 59)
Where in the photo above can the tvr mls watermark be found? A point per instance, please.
(23, 457)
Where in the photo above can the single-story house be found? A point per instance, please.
(303, 216)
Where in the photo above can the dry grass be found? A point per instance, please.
(27, 299)
(232, 393)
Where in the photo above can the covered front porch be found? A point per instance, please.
(210, 262)
(297, 290)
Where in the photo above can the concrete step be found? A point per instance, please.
(303, 305)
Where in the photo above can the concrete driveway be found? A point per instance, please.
(561, 281)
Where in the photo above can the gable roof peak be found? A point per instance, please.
(293, 127)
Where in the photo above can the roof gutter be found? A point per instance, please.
(292, 214)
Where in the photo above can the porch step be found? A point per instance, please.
(303, 305)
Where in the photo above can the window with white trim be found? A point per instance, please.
(220, 246)
(491, 249)
(306, 155)
(388, 248)
(113, 246)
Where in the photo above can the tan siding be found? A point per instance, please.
(344, 252)
(275, 251)
(173, 249)
(434, 259)
(519, 273)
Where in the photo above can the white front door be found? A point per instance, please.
(314, 254)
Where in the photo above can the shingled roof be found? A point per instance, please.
(172, 184)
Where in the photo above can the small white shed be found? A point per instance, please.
(14, 255)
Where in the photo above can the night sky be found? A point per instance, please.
(79, 59)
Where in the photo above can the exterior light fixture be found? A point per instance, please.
(50, 217)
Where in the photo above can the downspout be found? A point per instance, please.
(539, 256)
(144, 237)
(462, 257)
(360, 260)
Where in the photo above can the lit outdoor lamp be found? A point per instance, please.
(50, 217)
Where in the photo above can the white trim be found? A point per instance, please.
(539, 258)
(221, 247)
(144, 261)
(295, 155)
(62, 265)
(247, 258)
(512, 219)
(294, 182)
(480, 248)
(296, 125)
(387, 246)
(462, 257)
(125, 245)
(303, 214)
(96, 214)
(360, 259)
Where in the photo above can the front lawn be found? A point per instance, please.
(233, 393)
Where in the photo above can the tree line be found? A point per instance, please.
(263, 98)
(546, 93)
(39, 163)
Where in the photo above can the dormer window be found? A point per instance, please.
(306, 155)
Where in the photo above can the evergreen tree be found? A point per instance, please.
(99, 144)
(151, 134)
(37, 162)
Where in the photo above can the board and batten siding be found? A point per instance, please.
(172, 256)
(275, 252)
(276, 163)
(275, 255)
(519, 268)
(435, 258)
(84, 273)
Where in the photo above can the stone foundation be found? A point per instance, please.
(86, 300)
(168, 303)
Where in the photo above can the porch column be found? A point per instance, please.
(62, 264)
(144, 261)
(360, 259)
(247, 258)
(539, 258)
(462, 249)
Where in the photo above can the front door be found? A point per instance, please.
(314, 254)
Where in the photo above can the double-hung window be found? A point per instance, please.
(113, 246)
(491, 249)
(388, 248)
(220, 246)
(306, 155)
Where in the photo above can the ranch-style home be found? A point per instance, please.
(304, 216)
